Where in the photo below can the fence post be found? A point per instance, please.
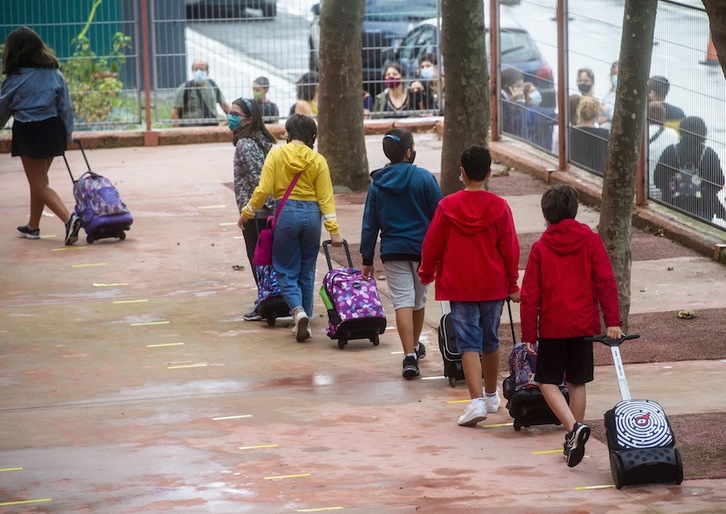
(494, 67)
(151, 138)
(563, 119)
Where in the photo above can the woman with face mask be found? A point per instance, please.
(585, 84)
(539, 121)
(252, 141)
(396, 99)
(426, 89)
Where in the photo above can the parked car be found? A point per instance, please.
(235, 8)
(385, 24)
(518, 50)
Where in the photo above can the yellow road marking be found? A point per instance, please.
(283, 477)
(131, 301)
(459, 401)
(586, 487)
(497, 425)
(144, 323)
(2, 470)
(68, 248)
(259, 446)
(321, 509)
(222, 418)
(89, 265)
(25, 502)
(182, 366)
(160, 345)
(547, 452)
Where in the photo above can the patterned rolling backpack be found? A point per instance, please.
(354, 308)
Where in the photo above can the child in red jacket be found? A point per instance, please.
(471, 249)
(568, 273)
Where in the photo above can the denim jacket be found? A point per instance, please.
(36, 94)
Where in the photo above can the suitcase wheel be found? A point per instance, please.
(679, 467)
(270, 320)
(616, 468)
(342, 342)
(452, 381)
(517, 425)
(376, 341)
(122, 236)
(89, 240)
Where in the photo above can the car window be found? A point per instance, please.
(400, 10)
(418, 41)
(517, 46)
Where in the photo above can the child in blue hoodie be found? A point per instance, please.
(400, 204)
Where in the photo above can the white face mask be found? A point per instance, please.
(427, 73)
(199, 75)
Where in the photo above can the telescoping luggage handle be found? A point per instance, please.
(614, 345)
(511, 319)
(80, 145)
(327, 243)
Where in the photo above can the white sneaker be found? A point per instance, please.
(475, 412)
(492, 402)
(302, 326)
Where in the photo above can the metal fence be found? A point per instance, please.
(102, 48)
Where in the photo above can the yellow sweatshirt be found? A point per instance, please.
(314, 185)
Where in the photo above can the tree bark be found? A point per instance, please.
(626, 135)
(466, 113)
(340, 114)
(717, 17)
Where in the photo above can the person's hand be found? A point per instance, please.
(531, 348)
(367, 271)
(614, 332)
(336, 240)
(515, 297)
(241, 222)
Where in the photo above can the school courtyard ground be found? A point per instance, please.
(129, 382)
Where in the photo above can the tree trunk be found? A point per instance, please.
(340, 113)
(626, 135)
(717, 18)
(466, 113)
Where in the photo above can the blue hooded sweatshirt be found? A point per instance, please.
(400, 204)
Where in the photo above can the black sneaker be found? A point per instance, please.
(73, 226)
(575, 444)
(410, 367)
(252, 316)
(30, 233)
(420, 351)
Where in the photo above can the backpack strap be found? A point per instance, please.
(285, 197)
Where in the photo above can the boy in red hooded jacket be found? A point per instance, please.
(568, 273)
(471, 249)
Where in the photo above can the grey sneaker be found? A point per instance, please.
(410, 367)
(575, 444)
(420, 351)
(252, 316)
(73, 226)
(30, 233)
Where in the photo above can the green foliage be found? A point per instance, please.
(93, 81)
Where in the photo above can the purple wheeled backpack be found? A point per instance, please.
(270, 304)
(354, 308)
(99, 205)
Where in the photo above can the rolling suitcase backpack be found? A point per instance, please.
(354, 308)
(640, 439)
(525, 402)
(99, 204)
(453, 369)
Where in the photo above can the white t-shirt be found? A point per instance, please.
(666, 138)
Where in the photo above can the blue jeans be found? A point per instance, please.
(477, 325)
(295, 252)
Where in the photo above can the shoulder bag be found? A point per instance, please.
(263, 248)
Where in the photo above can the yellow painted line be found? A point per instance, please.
(258, 447)
(222, 418)
(497, 425)
(144, 323)
(182, 366)
(547, 452)
(25, 502)
(588, 487)
(228, 224)
(161, 345)
(459, 401)
(284, 477)
(68, 248)
(321, 509)
(89, 265)
(131, 301)
(211, 207)
(3, 470)
(113, 284)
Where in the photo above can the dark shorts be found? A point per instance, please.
(39, 139)
(569, 359)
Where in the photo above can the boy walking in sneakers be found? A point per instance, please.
(568, 273)
(400, 204)
(471, 249)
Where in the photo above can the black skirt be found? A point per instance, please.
(39, 139)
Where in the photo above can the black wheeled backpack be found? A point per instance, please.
(640, 439)
(453, 369)
(99, 204)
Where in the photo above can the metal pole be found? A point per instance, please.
(150, 138)
(494, 67)
(563, 119)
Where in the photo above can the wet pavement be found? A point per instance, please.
(129, 382)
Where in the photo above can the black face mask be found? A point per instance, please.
(413, 157)
(584, 88)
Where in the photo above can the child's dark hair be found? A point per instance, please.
(25, 49)
(302, 128)
(559, 203)
(395, 144)
(477, 162)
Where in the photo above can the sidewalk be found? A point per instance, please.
(131, 384)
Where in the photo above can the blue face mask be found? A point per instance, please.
(536, 98)
(234, 122)
(427, 73)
